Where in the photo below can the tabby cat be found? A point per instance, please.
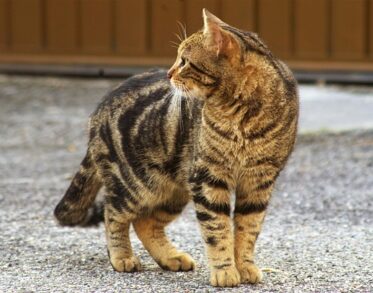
(221, 121)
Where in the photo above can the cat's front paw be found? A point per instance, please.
(128, 265)
(227, 277)
(178, 262)
(250, 273)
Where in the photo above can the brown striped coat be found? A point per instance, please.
(220, 123)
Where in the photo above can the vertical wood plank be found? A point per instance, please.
(275, 26)
(193, 9)
(349, 29)
(164, 16)
(4, 29)
(370, 36)
(96, 24)
(62, 25)
(26, 25)
(131, 27)
(239, 13)
(311, 37)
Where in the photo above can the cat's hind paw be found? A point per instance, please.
(128, 265)
(178, 262)
(228, 277)
(250, 273)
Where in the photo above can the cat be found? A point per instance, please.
(221, 121)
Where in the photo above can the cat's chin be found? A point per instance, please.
(190, 94)
(178, 92)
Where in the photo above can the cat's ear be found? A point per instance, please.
(219, 40)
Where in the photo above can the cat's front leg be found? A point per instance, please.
(212, 202)
(252, 198)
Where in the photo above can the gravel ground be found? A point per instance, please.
(317, 237)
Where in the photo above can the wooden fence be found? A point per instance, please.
(309, 34)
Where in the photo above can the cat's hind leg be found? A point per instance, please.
(151, 232)
(117, 223)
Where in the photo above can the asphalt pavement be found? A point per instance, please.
(317, 237)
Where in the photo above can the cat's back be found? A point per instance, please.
(146, 87)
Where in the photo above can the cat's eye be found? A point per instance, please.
(182, 62)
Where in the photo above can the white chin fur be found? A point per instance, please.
(177, 91)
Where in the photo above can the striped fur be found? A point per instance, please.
(221, 121)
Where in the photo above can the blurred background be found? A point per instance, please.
(113, 37)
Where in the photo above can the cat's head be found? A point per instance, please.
(215, 61)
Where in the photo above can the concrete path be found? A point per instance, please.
(317, 236)
(335, 108)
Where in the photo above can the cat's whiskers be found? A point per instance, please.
(175, 44)
(171, 96)
(181, 35)
(183, 29)
(178, 37)
(180, 93)
(180, 101)
(176, 96)
(188, 97)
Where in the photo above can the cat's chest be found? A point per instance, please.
(233, 161)
(233, 153)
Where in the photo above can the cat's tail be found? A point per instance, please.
(78, 206)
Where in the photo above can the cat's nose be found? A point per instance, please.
(169, 73)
